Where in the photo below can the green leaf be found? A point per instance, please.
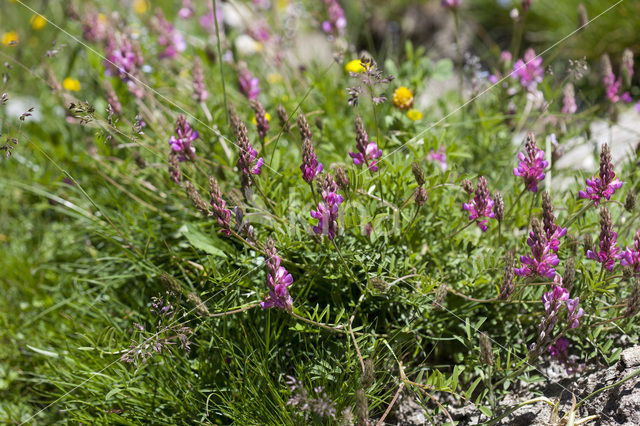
(43, 352)
(203, 242)
(486, 411)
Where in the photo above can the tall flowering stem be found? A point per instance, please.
(278, 281)
(262, 123)
(606, 184)
(327, 211)
(552, 231)
(367, 151)
(553, 301)
(481, 205)
(310, 167)
(248, 162)
(608, 251)
(542, 260)
(218, 206)
(532, 165)
(181, 142)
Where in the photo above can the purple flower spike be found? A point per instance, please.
(327, 212)
(608, 253)
(310, 167)
(529, 71)
(552, 231)
(451, 4)
(631, 256)
(440, 156)
(481, 205)
(249, 85)
(573, 312)
(606, 184)
(531, 166)
(278, 281)
(337, 22)
(542, 260)
(169, 38)
(368, 151)
(181, 144)
(124, 59)
(552, 300)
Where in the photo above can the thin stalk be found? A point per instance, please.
(224, 89)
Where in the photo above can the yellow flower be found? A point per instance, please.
(140, 6)
(266, 115)
(71, 84)
(354, 66)
(8, 38)
(38, 22)
(402, 98)
(274, 77)
(414, 114)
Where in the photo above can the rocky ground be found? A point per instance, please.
(616, 403)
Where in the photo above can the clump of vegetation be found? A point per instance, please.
(202, 224)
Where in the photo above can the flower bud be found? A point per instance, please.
(486, 350)
(200, 307)
(498, 206)
(467, 186)
(303, 127)
(583, 18)
(507, 287)
(441, 294)
(197, 201)
(418, 173)
(362, 407)
(420, 196)
(283, 117)
(587, 242)
(342, 180)
(368, 377)
(171, 283)
(569, 273)
(633, 303)
(630, 202)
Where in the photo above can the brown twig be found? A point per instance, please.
(393, 401)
